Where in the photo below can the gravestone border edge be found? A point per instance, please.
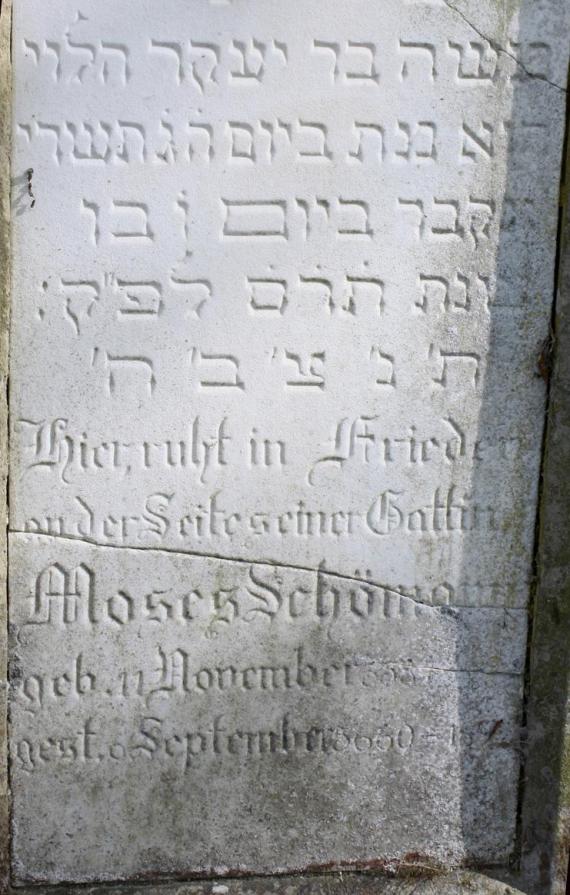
(545, 834)
(545, 785)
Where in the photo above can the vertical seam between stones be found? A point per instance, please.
(551, 348)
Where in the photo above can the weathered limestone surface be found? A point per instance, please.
(282, 277)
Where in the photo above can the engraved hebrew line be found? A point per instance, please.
(205, 66)
(299, 218)
(257, 142)
(123, 220)
(82, 300)
(352, 62)
(70, 62)
(135, 374)
(512, 53)
(451, 218)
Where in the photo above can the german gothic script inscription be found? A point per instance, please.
(282, 275)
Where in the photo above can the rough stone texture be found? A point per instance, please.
(462, 883)
(282, 277)
(546, 822)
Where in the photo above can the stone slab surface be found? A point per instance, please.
(283, 275)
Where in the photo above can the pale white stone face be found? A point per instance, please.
(282, 274)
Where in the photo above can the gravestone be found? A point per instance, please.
(283, 275)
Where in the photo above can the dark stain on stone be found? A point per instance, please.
(545, 358)
(29, 179)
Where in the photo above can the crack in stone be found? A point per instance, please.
(499, 49)
(319, 571)
(451, 670)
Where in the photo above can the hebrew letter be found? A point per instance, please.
(324, 289)
(136, 366)
(54, 132)
(242, 141)
(248, 218)
(463, 360)
(88, 147)
(271, 130)
(175, 49)
(168, 153)
(115, 58)
(81, 297)
(310, 369)
(421, 52)
(140, 299)
(480, 215)
(453, 228)
(364, 287)
(92, 208)
(223, 370)
(204, 68)
(368, 135)
(407, 151)
(251, 59)
(207, 138)
(136, 225)
(477, 143)
(432, 289)
(538, 59)
(425, 142)
(460, 297)
(267, 294)
(367, 71)
(418, 206)
(422, 133)
(76, 49)
(476, 61)
(334, 49)
(132, 142)
(309, 209)
(386, 362)
(315, 145)
(195, 293)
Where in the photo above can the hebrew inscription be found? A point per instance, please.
(282, 278)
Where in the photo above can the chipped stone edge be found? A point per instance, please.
(5, 281)
(545, 819)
